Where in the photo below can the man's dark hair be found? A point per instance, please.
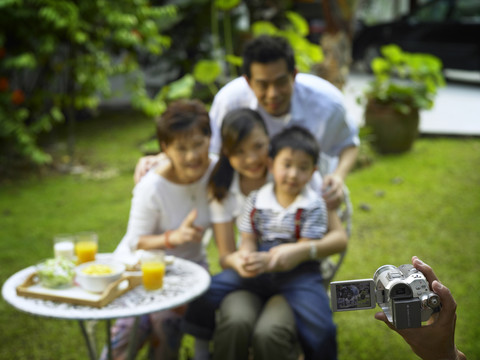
(296, 138)
(267, 49)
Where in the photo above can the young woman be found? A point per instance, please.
(241, 168)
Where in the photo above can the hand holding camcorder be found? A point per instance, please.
(403, 294)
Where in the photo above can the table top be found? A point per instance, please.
(184, 281)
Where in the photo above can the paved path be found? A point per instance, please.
(456, 110)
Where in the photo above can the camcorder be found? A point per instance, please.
(403, 294)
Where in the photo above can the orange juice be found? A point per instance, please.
(152, 275)
(86, 251)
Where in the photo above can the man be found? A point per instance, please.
(272, 86)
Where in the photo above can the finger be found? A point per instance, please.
(139, 171)
(143, 166)
(195, 234)
(334, 203)
(253, 267)
(199, 229)
(327, 182)
(246, 269)
(243, 255)
(425, 269)
(190, 218)
(329, 191)
(251, 257)
(247, 274)
(249, 261)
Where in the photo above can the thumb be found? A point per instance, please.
(382, 317)
(191, 217)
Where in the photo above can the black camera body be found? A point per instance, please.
(403, 294)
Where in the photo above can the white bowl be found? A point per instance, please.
(98, 283)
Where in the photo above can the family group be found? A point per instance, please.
(265, 169)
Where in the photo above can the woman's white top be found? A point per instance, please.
(159, 205)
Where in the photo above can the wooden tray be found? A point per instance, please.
(75, 294)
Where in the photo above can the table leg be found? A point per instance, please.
(132, 343)
(88, 340)
(109, 339)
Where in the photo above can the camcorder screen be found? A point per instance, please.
(353, 295)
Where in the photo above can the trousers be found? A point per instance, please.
(301, 287)
(247, 325)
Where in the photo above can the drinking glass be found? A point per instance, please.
(86, 246)
(153, 269)
(63, 246)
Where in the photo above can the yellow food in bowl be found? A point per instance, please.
(97, 269)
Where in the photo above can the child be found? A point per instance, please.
(282, 226)
(169, 211)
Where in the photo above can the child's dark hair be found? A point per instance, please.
(236, 126)
(182, 116)
(296, 138)
(267, 49)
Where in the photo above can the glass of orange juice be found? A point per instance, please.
(86, 246)
(153, 269)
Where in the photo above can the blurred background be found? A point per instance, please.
(81, 82)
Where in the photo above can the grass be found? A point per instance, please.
(423, 203)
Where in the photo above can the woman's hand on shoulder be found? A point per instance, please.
(146, 163)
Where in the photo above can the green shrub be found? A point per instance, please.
(57, 57)
(405, 80)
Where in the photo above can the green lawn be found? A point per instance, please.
(423, 203)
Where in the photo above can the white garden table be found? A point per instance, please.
(183, 282)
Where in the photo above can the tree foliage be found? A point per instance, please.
(58, 56)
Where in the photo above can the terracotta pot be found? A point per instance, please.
(393, 132)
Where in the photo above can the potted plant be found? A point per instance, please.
(403, 84)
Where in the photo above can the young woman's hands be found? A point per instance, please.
(256, 263)
(246, 263)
